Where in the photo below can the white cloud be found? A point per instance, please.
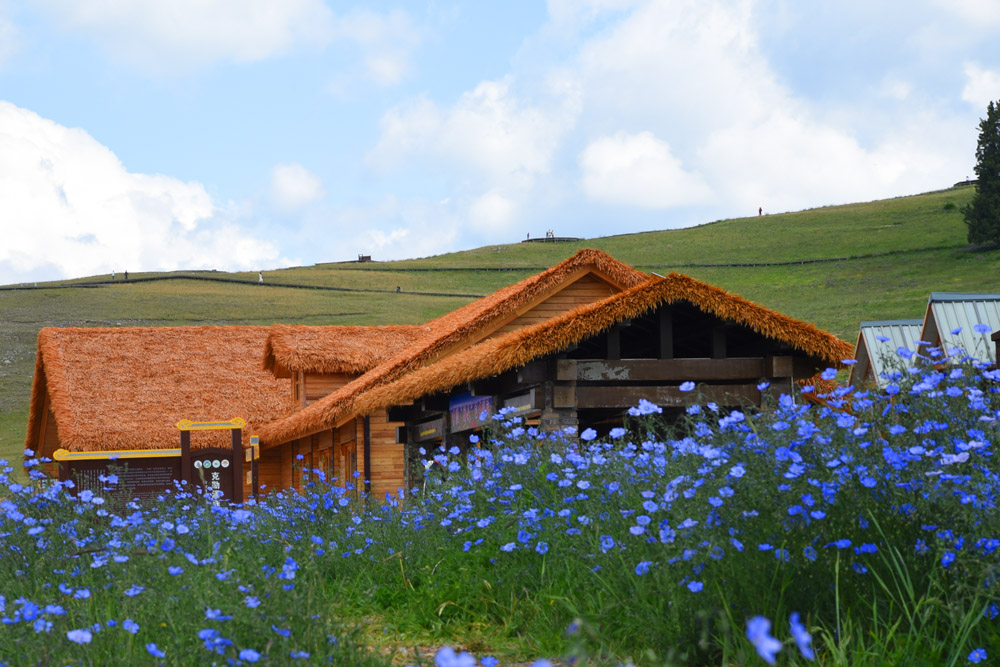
(982, 86)
(489, 130)
(386, 42)
(293, 186)
(638, 170)
(71, 208)
(166, 35)
(492, 210)
(977, 13)
(9, 39)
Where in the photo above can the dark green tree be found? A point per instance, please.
(982, 214)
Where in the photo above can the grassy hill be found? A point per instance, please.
(832, 266)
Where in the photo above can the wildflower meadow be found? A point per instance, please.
(858, 529)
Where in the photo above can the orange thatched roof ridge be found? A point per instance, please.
(514, 349)
(126, 388)
(462, 327)
(334, 349)
(517, 348)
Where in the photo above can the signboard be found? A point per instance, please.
(466, 410)
(431, 430)
(523, 404)
(142, 474)
(213, 469)
(146, 473)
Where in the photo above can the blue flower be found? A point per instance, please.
(801, 636)
(216, 615)
(758, 632)
(446, 657)
(174, 570)
(81, 636)
(134, 590)
(588, 434)
(981, 328)
(249, 655)
(542, 548)
(978, 655)
(130, 626)
(687, 386)
(154, 651)
(948, 558)
(642, 567)
(695, 586)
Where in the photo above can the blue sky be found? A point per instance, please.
(250, 134)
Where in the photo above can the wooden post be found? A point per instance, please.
(719, 341)
(614, 343)
(368, 455)
(237, 465)
(186, 457)
(666, 333)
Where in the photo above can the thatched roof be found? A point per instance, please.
(334, 349)
(126, 388)
(452, 332)
(517, 348)
(514, 349)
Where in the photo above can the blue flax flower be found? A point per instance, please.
(80, 636)
(759, 634)
(801, 636)
(446, 657)
(154, 651)
(978, 655)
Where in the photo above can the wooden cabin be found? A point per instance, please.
(575, 345)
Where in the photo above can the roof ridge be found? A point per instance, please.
(453, 328)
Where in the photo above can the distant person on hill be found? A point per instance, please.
(760, 211)
(398, 290)
(112, 274)
(126, 275)
(260, 276)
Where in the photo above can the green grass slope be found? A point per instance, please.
(832, 266)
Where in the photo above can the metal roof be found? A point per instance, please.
(951, 319)
(875, 356)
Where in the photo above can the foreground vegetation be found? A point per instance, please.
(865, 529)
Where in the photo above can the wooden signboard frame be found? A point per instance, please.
(235, 467)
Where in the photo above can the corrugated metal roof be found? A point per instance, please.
(875, 355)
(951, 320)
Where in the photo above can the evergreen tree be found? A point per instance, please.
(982, 215)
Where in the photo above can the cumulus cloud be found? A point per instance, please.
(293, 186)
(71, 209)
(160, 35)
(386, 43)
(489, 130)
(982, 86)
(638, 170)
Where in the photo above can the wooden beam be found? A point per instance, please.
(564, 395)
(661, 370)
(626, 397)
